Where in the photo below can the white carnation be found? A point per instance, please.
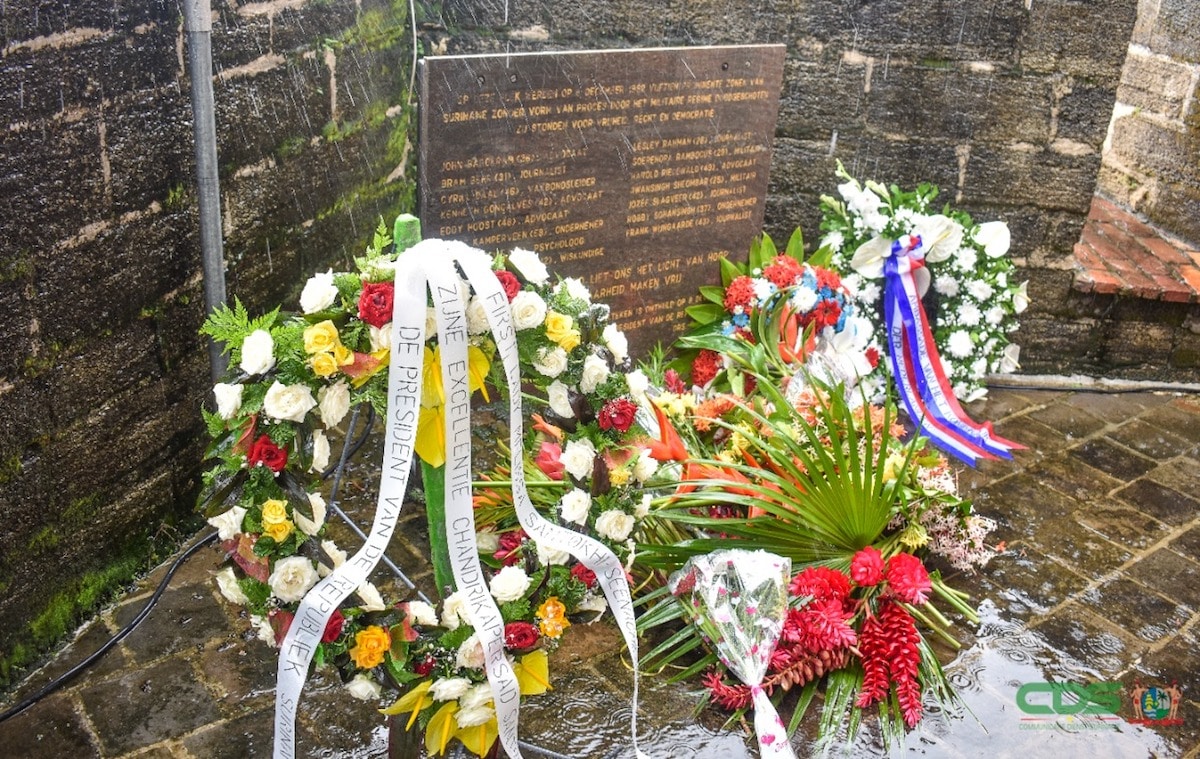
(969, 315)
(575, 506)
(578, 457)
(979, 289)
(320, 454)
(228, 585)
(528, 310)
(257, 352)
(292, 578)
(614, 525)
(833, 240)
(551, 362)
(965, 259)
(959, 344)
(560, 400)
(616, 342)
(288, 402)
(595, 372)
(319, 509)
(421, 613)
(319, 293)
(229, 399)
(870, 292)
(364, 688)
(994, 316)
(228, 524)
(946, 285)
(470, 654)
(529, 266)
(334, 403)
(449, 688)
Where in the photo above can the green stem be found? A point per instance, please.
(435, 511)
(508, 484)
(933, 626)
(955, 599)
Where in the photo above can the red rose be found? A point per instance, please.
(547, 460)
(520, 635)
(866, 568)
(265, 452)
(375, 303)
(908, 578)
(584, 575)
(510, 283)
(617, 414)
(333, 628)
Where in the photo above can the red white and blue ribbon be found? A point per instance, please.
(920, 377)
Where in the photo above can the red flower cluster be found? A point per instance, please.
(908, 578)
(822, 583)
(264, 451)
(375, 303)
(510, 283)
(739, 293)
(866, 568)
(509, 543)
(783, 271)
(674, 382)
(617, 415)
(705, 366)
(889, 643)
(823, 624)
(584, 575)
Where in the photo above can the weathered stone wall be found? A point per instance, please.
(1152, 163)
(103, 372)
(1004, 105)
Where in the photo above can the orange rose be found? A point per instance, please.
(370, 645)
(552, 616)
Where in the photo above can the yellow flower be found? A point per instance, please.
(560, 329)
(618, 477)
(431, 436)
(432, 393)
(324, 364)
(414, 701)
(275, 520)
(478, 365)
(370, 645)
(552, 617)
(891, 466)
(321, 337)
(343, 355)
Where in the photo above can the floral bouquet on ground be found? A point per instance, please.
(975, 298)
(293, 381)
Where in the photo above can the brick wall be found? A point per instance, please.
(1152, 161)
(101, 384)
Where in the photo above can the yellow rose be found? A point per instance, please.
(321, 337)
(275, 520)
(560, 328)
(324, 364)
(370, 645)
(618, 477)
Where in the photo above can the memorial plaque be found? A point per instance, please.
(633, 170)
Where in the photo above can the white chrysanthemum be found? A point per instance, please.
(575, 506)
(969, 315)
(550, 362)
(833, 240)
(509, 584)
(980, 290)
(994, 316)
(946, 285)
(870, 292)
(803, 299)
(595, 372)
(965, 259)
(578, 457)
(528, 310)
(959, 344)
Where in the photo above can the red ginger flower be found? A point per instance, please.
(509, 543)
(739, 293)
(728, 697)
(890, 647)
(674, 382)
(822, 583)
(820, 626)
(908, 578)
(874, 648)
(866, 568)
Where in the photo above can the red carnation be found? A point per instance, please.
(822, 583)
(510, 283)
(265, 452)
(866, 568)
(617, 414)
(783, 271)
(584, 575)
(375, 303)
(509, 543)
(333, 628)
(739, 293)
(705, 366)
(520, 635)
(547, 460)
(908, 578)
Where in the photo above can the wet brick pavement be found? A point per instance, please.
(1100, 581)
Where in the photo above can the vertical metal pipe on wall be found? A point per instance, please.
(197, 25)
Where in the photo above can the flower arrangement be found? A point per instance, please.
(973, 280)
(294, 379)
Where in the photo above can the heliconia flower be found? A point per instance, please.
(908, 578)
(866, 568)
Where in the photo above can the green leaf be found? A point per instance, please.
(795, 246)
(705, 313)
(729, 271)
(713, 294)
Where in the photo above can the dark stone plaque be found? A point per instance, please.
(633, 170)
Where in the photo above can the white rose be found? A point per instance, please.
(288, 402)
(595, 372)
(578, 458)
(529, 266)
(995, 238)
(509, 584)
(477, 323)
(455, 611)
(257, 352)
(1020, 298)
(592, 602)
(320, 455)
(228, 524)
(614, 525)
(422, 613)
(470, 654)
(364, 688)
(229, 399)
(560, 400)
(430, 322)
(381, 337)
(645, 466)
(369, 595)
(552, 362)
(959, 344)
(946, 285)
(550, 557)
(528, 310)
(262, 627)
(449, 688)
(319, 510)
(638, 384)
(575, 506)
(292, 578)
(336, 555)
(319, 293)
(228, 585)
(616, 342)
(642, 510)
(486, 541)
(334, 403)
(575, 288)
